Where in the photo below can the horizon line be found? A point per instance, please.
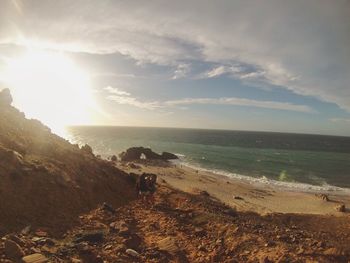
(211, 129)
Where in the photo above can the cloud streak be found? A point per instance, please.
(125, 98)
(342, 120)
(274, 105)
(134, 102)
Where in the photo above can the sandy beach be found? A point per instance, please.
(244, 196)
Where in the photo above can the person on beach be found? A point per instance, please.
(146, 187)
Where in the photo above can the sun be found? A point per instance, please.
(50, 87)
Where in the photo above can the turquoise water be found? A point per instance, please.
(270, 157)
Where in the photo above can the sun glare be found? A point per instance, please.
(50, 87)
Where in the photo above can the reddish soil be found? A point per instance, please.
(181, 227)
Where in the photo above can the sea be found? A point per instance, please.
(301, 162)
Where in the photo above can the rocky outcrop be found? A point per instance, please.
(47, 182)
(87, 149)
(5, 98)
(137, 153)
(114, 158)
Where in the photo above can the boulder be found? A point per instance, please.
(15, 239)
(132, 252)
(340, 208)
(35, 258)
(13, 251)
(121, 227)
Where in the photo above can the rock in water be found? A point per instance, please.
(169, 156)
(35, 258)
(135, 153)
(13, 251)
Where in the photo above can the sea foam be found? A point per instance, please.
(263, 181)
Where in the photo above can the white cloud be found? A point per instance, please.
(216, 72)
(134, 102)
(272, 74)
(181, 71)
(302, 46)
(123, 97)
(116, 91)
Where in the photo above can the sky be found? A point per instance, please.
(244, 65)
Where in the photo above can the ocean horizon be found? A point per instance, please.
(298, 161)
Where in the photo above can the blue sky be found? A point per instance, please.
(247, 65)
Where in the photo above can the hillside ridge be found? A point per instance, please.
(45, 181)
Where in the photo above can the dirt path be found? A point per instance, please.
(181, 227)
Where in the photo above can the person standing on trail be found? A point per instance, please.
(146, 187)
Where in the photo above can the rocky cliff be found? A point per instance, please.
(45, 181)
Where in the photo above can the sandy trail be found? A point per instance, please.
(251, 197)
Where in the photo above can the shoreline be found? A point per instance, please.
(243, 195)
(267, 182)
